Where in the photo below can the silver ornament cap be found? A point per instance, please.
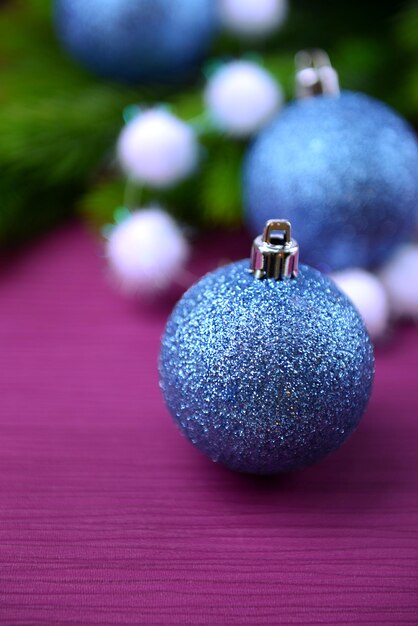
(315, 74)
(275, 254)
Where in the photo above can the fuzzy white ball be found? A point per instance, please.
(242, 97)
(146, 251)
(368, 296)
(400, 278)
(157, 149)
(252, 18)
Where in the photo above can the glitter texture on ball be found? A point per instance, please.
(344, 170)
(137, 41)
(134, 251)
(242, 97)
(157, 149)
(266, 376)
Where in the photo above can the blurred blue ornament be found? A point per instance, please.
(137, 40)
(266, 375)
(344, 170)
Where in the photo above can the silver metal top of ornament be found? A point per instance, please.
(315, 74)
(274, 253)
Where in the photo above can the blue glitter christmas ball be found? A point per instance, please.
(266, 376)
(137, 40)
(344, 171)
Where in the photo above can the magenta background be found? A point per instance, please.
(108, 516)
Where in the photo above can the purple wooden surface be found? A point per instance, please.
(108, 516)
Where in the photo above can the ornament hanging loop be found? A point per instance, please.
(274, 253)
(315, 74)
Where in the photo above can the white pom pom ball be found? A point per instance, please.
(146, 251)
(369, 297)
(400, 278)
(252, 18)
(157, 149)
(242, 97)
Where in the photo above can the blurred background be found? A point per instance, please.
(59, 122)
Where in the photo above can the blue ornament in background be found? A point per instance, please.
(266, 370)
(344, 170)
(137, 40)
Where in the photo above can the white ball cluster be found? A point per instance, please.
(242, 97)
(252, 18)
(368, 296)
(400, 278)
(146, 251)
(157, 149)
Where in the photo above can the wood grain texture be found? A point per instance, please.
(108, 516)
